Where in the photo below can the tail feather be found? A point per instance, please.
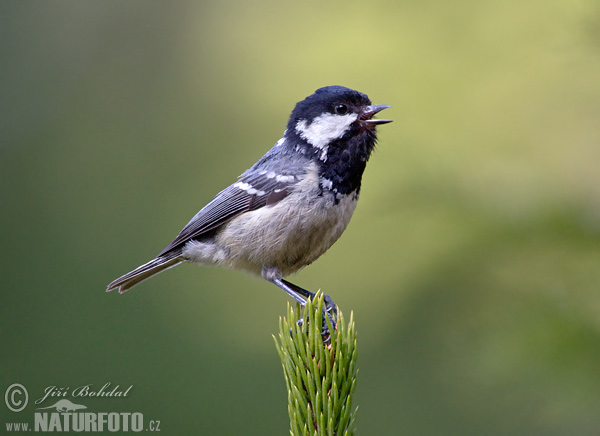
(143, 272)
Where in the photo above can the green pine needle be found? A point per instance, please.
(320, 378)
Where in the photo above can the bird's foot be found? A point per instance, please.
(329, 311)
(301, 296)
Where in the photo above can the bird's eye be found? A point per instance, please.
(341, 109)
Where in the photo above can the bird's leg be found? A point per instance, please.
(301, 295)
(330, 306)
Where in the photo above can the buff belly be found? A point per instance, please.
(288, 235)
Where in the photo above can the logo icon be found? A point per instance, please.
(64, 406)
(12, 397)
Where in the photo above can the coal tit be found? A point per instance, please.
(291, 206)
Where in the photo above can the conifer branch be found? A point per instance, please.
(320, 378)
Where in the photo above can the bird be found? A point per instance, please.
(291, 206)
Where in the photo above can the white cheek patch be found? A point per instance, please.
(324, 129)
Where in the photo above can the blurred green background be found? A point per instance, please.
(472, 263)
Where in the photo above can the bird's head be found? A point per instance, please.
(332, 114)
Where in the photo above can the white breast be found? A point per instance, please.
(288, 235)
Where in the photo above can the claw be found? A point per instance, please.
(331, 311)
(301, 296)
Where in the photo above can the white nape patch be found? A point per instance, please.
(248, 188)
(281, 141)
(324, 129)
(326, 183)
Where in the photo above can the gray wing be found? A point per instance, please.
(252, 191)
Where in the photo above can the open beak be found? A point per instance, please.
(367, 115)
